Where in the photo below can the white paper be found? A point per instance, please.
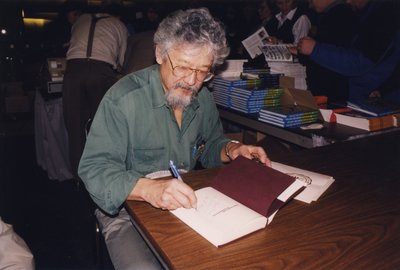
(319, 182)
(232, 68)
(290, 69)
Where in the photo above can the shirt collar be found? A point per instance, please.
(288, 16)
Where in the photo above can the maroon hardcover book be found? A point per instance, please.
(253, 184)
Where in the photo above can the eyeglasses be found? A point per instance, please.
(201, 75)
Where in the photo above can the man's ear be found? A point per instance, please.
(159, 59)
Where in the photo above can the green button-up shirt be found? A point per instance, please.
(135, 132)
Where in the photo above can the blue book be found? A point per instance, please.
(374, 106)
(286, 111)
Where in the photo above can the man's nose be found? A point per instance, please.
(191, 79)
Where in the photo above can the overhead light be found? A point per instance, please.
(35, 22)
(3, 31)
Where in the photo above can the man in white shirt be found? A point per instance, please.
(96, 54)
(290, 24)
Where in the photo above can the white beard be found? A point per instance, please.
(175, 100)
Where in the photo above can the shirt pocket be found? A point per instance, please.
(148, 160)
(197, 149)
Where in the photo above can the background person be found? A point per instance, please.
(14, 253)
(57, 33)
(334, 25)
(290, 24)
(374, 52)
(92, 68)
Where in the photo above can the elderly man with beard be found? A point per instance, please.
(150, 117)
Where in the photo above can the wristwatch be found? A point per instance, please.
(227, 150)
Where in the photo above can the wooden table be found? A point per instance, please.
(354, 225)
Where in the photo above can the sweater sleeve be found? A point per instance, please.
(348, 62)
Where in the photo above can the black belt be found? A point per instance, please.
(86, 60)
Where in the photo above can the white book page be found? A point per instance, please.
(255, 41)
(220, 219)
(319, 182)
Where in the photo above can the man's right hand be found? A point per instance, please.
(165, 194)
(306, 45)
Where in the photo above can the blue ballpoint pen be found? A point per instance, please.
(174, 170)
(176, 174)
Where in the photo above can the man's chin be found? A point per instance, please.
(186, 92)
(179, 101)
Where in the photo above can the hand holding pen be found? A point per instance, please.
(175, 171)
(177, 175)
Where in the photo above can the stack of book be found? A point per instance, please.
(260, 73)
(289, 115)
(222, 87)
(247, 96)
(253, 100)
(363, 121)
(371, 114)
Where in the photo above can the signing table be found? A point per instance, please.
(355, 224)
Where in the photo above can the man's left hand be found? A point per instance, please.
(248, 151)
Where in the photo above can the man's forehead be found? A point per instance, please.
(201, 54)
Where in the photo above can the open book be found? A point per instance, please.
(255, 41)
(243, 197)
(258, 43)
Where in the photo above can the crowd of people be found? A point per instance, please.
(350, 49)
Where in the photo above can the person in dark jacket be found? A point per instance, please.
(334, 23)
(374, 52)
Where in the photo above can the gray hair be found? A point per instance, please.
(194, 27)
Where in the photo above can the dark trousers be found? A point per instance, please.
(85, 83)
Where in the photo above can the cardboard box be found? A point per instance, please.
(293, 96)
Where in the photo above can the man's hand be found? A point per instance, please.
(165, 194)
(249, 151)
(273, 40)
(306, 45)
